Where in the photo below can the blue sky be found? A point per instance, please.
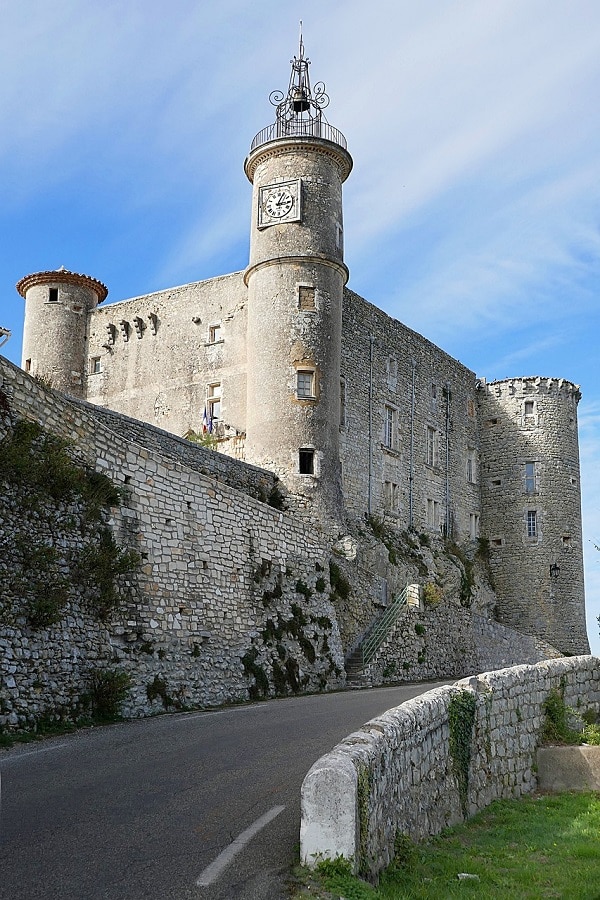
(472, 213)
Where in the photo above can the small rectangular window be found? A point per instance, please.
(529, 478)
(213, 401)
(342, 402)
(52, 295)
(306, 385)
(389, 428)
(306, 297)
(306, 461)
(95, 365)
(529, 413)
(433, 513)
(390, 495)
(471, 467)
(214, 334)
(28, 365)
(532, 525)
(392, 372)
(430, 447)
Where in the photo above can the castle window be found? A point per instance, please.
(470, 409)
(529, 413)
(390, 495)
(474, 525)
(306, 461)
(28, 365)
(434, 391)
(431, 446)
(532, 523)
(305, 384)
(342, 402)
(214, 334)
(471, 467)
(392, 372)
(95, 365)
(390, 427)
(496, 482)
(306, 298)
(213, 401)
(497, 542)
(433, 514)
(492, 422)
(529, 477)
(52, 295)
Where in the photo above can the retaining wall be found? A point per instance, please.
(397, 775)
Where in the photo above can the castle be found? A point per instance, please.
(282, 366)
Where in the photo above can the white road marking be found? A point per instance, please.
(212, 872)
(10, 760)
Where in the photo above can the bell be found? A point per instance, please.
(300, 101)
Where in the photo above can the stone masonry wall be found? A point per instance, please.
(396, 775)
(159, 354)
(531, 507)
(231, 598)
(415, 469)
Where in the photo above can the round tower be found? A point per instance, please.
(295, 279)
(531, 507)
(57, 307)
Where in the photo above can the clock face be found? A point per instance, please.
(279, 203)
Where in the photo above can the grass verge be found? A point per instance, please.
(543, 846)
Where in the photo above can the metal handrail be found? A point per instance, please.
(299, 128)
(382, 627)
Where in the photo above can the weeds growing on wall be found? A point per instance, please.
(461, 719)
(100, 564)
(108, 690)
(467, 573)
(65, 501)
(556, 729)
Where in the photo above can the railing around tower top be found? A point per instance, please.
(299, 128)
(376, 636)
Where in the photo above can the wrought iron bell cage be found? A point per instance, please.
(299, 113)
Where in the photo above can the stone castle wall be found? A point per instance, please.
(231, 597)
(160, 353)
(417, 473)
(396, 775)
(531, 507)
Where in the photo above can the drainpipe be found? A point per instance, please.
(447, 459)
(370, 490)
(411, 476)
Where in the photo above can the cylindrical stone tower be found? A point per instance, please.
(57, 307)
(295, 279)
(531, 507)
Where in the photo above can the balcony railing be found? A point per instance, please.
(299, 128)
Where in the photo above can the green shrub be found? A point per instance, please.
(108, 690)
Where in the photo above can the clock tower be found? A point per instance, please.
(295, 279)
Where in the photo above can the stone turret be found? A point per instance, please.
(295, 284)
(531, 507)
(57, 306)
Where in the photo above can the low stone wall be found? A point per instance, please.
(422, 646)
(401, 773)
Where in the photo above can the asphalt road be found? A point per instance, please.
(140, 809)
